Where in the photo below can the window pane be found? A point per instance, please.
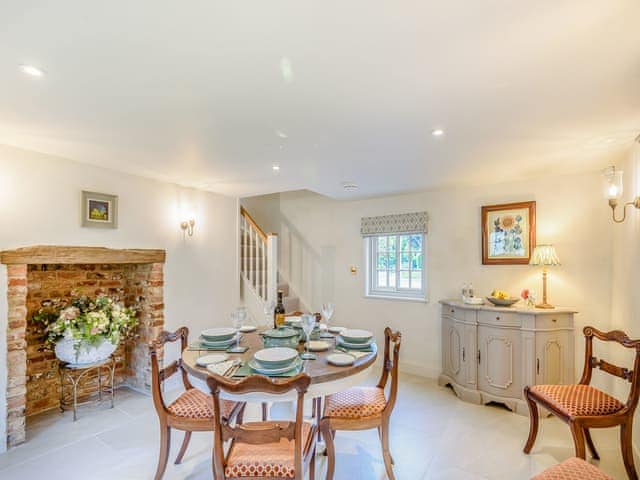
(382, 261)
(382, 244)
(391, 243)
(416, 242)
(392, 278)
(404, 279)
(404, 242)
(382, 278)
(416, 280)
(392, 261)
(405, 258)
(416, 261)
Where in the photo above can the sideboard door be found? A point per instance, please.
(469, 356)
(499, 369)
(554, 358)
(452, 344)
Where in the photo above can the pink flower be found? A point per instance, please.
(94, 331)
(525, 294)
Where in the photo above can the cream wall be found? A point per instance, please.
(40, 204)
(320, 240)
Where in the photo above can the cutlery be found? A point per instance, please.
(234, 366)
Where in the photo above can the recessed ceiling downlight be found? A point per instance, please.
(438, 132)
(275, 167)
(350, 186)
(31, 70)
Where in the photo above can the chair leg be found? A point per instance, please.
(331, 451)
(578, 439)
(240, 416)
(265, 413)
(533, 422)
(386, 454)
(165, 443)
(183, 448)
(312, 465)
(380, 435)
(591, 445)
(626, 431)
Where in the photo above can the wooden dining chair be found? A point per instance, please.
(572, 469)
(267, 449)
(362, 408)
(192, 411)
(583, 407)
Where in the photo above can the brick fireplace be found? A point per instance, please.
(37, 274)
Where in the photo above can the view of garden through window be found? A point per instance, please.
(397, 263)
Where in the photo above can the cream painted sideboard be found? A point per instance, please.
(489, 354)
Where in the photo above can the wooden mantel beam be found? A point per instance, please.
(47, 254)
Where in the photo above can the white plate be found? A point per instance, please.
(341, 341)
(275, 355)
(274, 371)
(337, 329)
(341, 359)
(318, 346)
(248, 328)
(357, 336)
(205, 360)
(218, 334)
(222, 343)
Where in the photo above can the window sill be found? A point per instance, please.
(396, 298)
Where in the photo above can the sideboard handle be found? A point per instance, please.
(538, 366)
(497, 318)
(554, 320)
(463, 354)
(452, 310)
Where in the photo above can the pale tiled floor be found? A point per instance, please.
(434, 436)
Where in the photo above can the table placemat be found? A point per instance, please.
(246, 371)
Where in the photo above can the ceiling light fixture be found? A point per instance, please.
(281, 134)
(275, 167)
(31, 70)
(438, 132)
(350, 186)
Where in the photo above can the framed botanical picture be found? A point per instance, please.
(99, 210)
(508, 233)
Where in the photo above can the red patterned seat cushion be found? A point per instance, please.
(356, 402)
(276, 459)
(196, 404)
(577, 400)
(572, 469)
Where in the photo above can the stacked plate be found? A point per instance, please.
(356, 339)
(275, 360)
(218, 337)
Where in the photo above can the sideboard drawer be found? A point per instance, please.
(507, 319)
(546, 321)
(459, 313)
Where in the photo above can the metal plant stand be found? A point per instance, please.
(72, 374)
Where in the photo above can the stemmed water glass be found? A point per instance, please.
(237, 319)
(269, 308)
(327, 312)
(308, 324)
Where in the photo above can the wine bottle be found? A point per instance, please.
(278, 313)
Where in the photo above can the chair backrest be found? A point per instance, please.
(390, 365)
(257, 432)
(158, 375)
(591, 362)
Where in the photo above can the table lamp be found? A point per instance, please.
(546, 256)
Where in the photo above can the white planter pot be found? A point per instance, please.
(81, 352)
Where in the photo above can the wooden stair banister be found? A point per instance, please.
(258, 257)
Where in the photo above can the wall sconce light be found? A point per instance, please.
(613, 192)
(187, 226)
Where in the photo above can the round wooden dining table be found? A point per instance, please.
(325, 378)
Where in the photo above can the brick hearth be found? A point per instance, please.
(36, 274)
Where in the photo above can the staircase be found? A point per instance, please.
(260, 279)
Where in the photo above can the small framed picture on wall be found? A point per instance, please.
(508, 233)
(99, 210)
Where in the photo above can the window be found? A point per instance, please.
(396, 266)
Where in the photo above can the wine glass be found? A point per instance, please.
(269, 308)
(308, 324)
(327, 312)
(236, 321)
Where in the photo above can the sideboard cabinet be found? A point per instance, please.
(490, 353)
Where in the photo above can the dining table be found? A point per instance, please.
(326, 378)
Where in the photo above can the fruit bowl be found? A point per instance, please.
(502, 302)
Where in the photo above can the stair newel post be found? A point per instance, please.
(244, 246)
(272, 267)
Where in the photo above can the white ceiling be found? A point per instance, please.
(194, 92)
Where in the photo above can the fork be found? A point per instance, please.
(232, 368)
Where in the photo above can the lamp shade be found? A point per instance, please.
(544, 255)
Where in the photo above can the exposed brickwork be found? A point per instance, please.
(33, 379)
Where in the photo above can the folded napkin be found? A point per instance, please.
(361, 352)
(220, 368)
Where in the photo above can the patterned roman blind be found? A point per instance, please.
(415, 222)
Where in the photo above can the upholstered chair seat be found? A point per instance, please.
(274, 459)
(357, 402)
(577, 400)
(572, 469)
(195, 403)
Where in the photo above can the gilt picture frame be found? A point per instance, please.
(99, 210)
(508, 233)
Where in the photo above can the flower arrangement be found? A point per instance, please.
(88, 320)
(529, 297)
